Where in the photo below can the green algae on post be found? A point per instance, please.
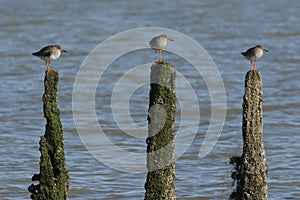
(53, 177)
(160, 141)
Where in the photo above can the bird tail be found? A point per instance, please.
(243, 53)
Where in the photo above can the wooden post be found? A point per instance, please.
(53, 177)
(251, 168)
(160, 141)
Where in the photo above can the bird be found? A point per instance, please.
(49, 53)
(254, 54)
(158, 43)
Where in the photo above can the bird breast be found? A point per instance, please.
(259, 53)
(55, 54)
(158, 43)
(255, 55)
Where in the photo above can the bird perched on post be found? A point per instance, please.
(254, 54)
(158, 43)
(49, 53)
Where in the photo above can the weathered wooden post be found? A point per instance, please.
(251, 168)
(161, 127)
(53, 177)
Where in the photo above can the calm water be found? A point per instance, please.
(223, 28)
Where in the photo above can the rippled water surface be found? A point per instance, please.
(223, 28)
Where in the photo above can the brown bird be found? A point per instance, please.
(254, 54)
(49, 53)
(158, 43)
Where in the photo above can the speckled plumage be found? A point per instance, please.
(254, 54)
(49, 53)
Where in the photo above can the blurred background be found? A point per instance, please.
(223, 28)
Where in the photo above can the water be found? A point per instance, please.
(219, 26)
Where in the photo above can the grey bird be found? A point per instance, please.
(254, 54)
(158, 43)
(49, 53)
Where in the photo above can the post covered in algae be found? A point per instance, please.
(251, 168)
(160, 141)
(53, 177)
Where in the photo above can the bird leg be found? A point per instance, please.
(254, 68)
(160, 56)
(48, 66)
(156, 61)
(160, 53)
(253, 65)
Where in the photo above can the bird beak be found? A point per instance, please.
(266, 50)
(64, 51)
(170, 39)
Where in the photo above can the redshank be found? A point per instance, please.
(254, 54)
(158, 43)
(49, 53)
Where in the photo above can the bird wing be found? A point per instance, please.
(44, 52)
